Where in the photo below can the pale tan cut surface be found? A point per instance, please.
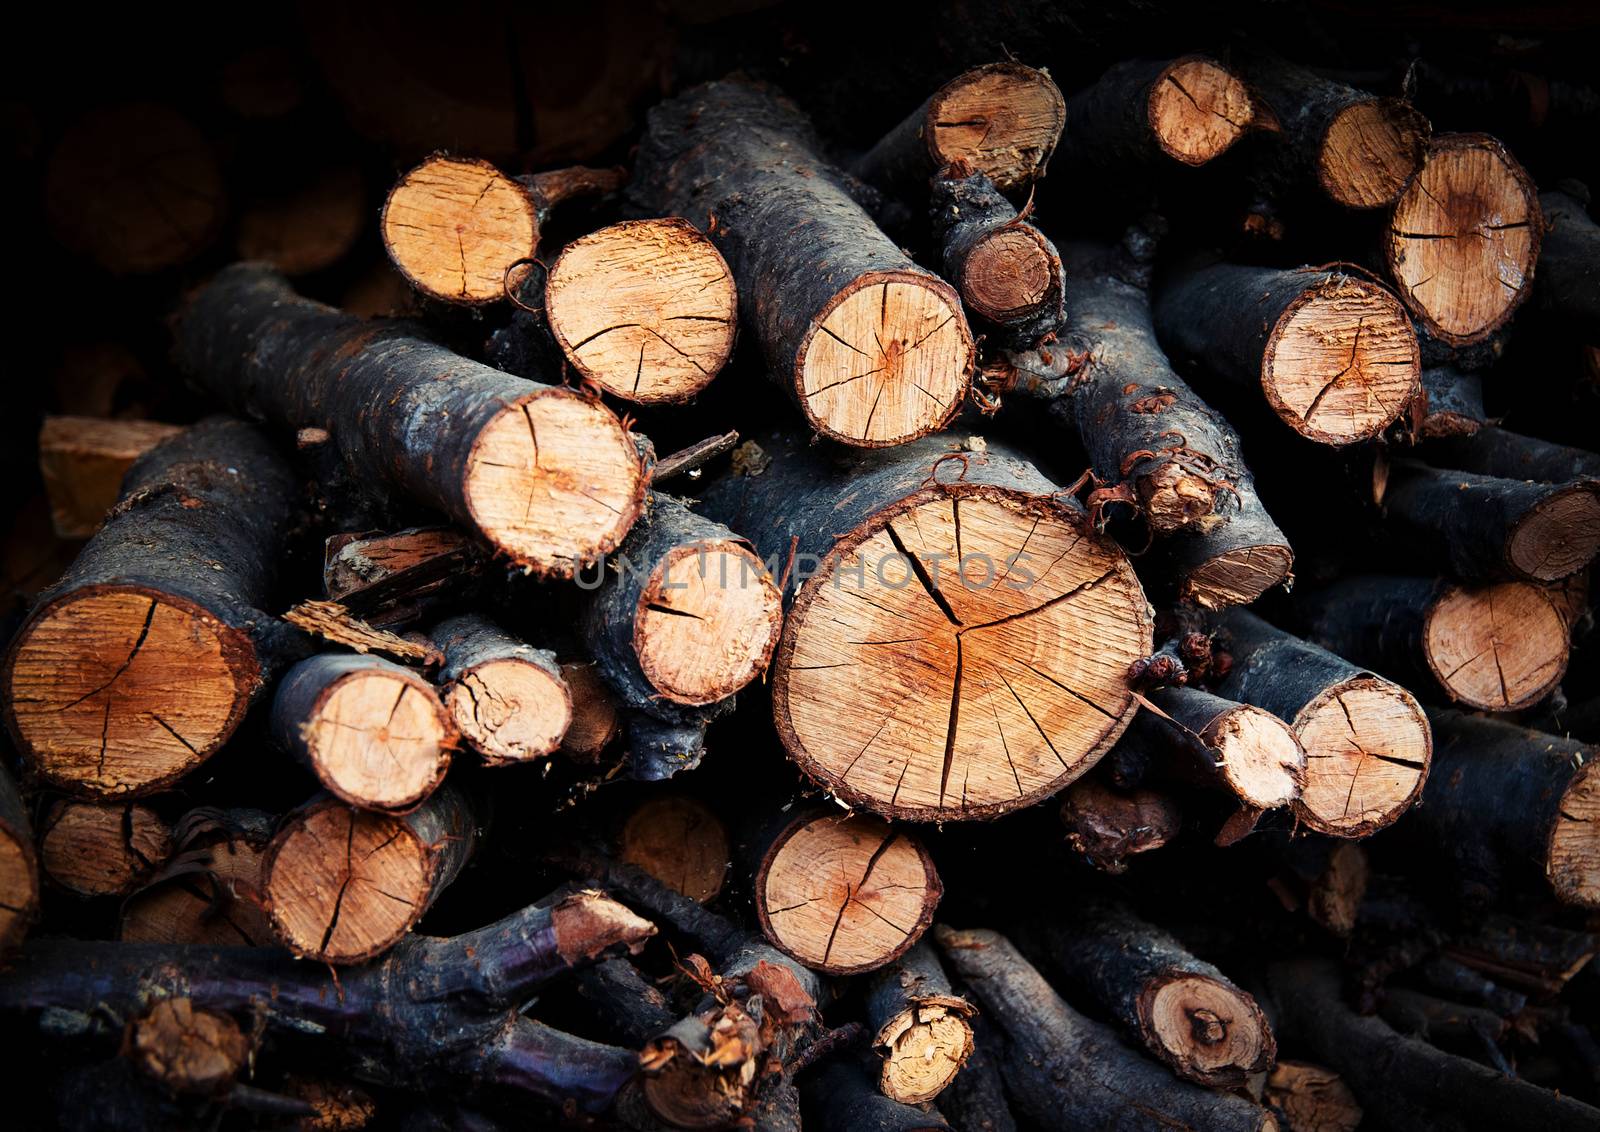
(102, 850)
(646, 309)
(924, 1047)
(846, 894)
(117, 691)
(1001, 121)
(680, 842)
(220, 910)
(1370, 152)
(1198, 108)
(188, 1050)
(707, 622)
(1206, 1026)
(1342, 362)
(595, 721)
(1238, 577)
(1368, 747)
(1464, 237)
(554, 481)
(19, 888)
(1175, 497)
(310, 228)
(510, 710)
(890, 360)
(345, 884)
(1499, 647)
(1573, 862)
(83, 460)
(1259, 757)
(1008, 274)
(1558, 537)
(379, 739)
(971, 695)
(453, 226)
(1313, 1099)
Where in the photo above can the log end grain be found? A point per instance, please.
(646, 309)
(923, 1048)
(1237, 576)
(453, 226)
(19, 885)
(1573, 860)
(1197, 109)
(596, 721)
(1312, 1099)
(886, 360)
(1368, 747)
(83, 460)
(222, 909)
(379, 738)
(1003, 120)
(1559, 536)
(680, 842)
(1209, 1030)
(1010, 273)
(1464, 238)
(510, 710)
(1258, 756)
(845, 894)
(187, 1049)
(1371, 150)
(102, 850)
(1500, 647)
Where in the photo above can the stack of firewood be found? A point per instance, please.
(1115, 639)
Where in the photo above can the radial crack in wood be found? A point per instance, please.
(454, 225)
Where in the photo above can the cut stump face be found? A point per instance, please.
(1002, 121)
(453, 226)
(1573, 862)
(1198, 109)
(379, 738)
(1370, 151)
(1368, 746)
(1500, 647)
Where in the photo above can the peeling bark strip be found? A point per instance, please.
(845, 894)
(1506, 805)
(874, 349)
(921, 1029)
(1569, 264)
(1182, 1009)
(95, 850)
(547, 478)
(506, 698)
(1366, 740)
(1140, 114)
(839, 1097)
(140, 662)
(1002, 121)
(1464, 237)
(1067, 1072)
(19, 867)
(344, 885)
(1496, 647)
(1335, 355)
(214, 897)
(920, 673)
(375, 734)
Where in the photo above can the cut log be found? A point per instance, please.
(976, 1099)
(1464, 237)
(547, 478)
(1107, 826)
(1496, 647)
(1142, 114)
(1309, 1098)
(1366, 740)
(624, 1002)
(343, 885)
(83, 460)
(1335, 355)
(95, 850)
(310, 228)
(1002, 121)
(188, 1050)
(1065, 1071)
(645, 309)
(1506, 805)
(507, 698)
(845, 893)
(1538, 958)
(840, 1097)
(680, 841)
(215, 899)
(921, 1028)
(874, 349)
(139, 663)
(1495, 451)
(1453, 406)
(1568, 285)
(1486, 528)
(596, 720)
(19, 867)
(952, 595)
(375, 734)
(1007, 271)
(1183, 1010)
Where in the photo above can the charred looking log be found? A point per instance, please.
(139, 663)
(1142, 114)
(1453, 404)
(956, 569)
(920, 1027)
(840, 1097)
(874, 349)
(102, 850)
(547, 478)
(1495, 451)
(506, 698)
(1568, 285)
(19, 867)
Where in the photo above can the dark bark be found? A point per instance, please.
(1540, 958)
(659, 749)
(396, 578)
(1454, 405)
(19, 866)
(1470, 1031)
(976, 1100)
(1107, 826)
(920, 1029)
(627, 1006)
(840, 1097)
(1494, 451)
(1568, 282)
(1453, 979)
(1111, 133)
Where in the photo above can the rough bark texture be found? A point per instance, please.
(1495, 451)
(1454, 405)
(840, 1097)
(548, 479)
(815, 274)
(1143, 114)
(624, 1003)
(140, 662)
(19, 867)
(508, 698)
(920, 1028)
(1568, 283)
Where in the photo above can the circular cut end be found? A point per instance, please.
(510, 710)
(1558, 537)
(1342, 362)
(1464, 238)
(845, 894)
(595, 721)
(117, 690)
(1370, 151)
(922, 672)
(1208, 1030)
(222, 909)
(1500, 647)
(453, 226)
(707, 622)
(102, 850)
(1238, 576)
(189, 1050)
(1259, 757)
(1010, 274)
(646, 309)
(681, 843)
(554, 482)
(1573, 863)
(1002, 121)
(344, 885)
(19, 887)
(1198, 109)
(1367, 747)
(379, 738)
(923, 1048)
(888, 360)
